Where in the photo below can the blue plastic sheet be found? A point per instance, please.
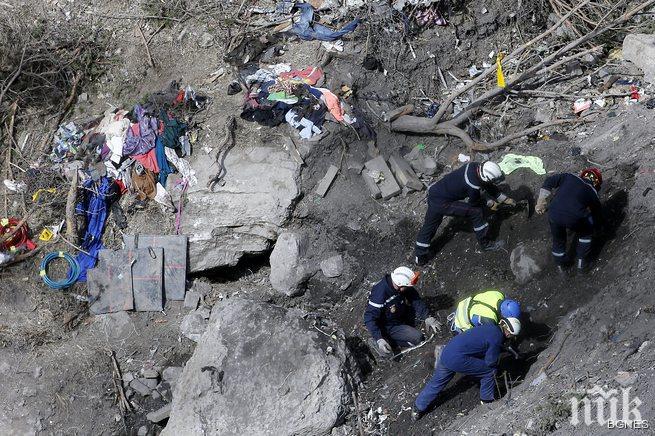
(95, 207)
(306, 29)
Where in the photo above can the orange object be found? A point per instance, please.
(333, 104)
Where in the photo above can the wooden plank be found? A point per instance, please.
(326, 181)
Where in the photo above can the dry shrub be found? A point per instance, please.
(41, 60)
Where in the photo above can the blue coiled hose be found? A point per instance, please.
(73, 271)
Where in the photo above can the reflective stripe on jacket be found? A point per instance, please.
(485, 304)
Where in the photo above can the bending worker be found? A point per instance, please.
(575, 206)
(393, 307)
(445, 199)
(475, 353)
(486, 307)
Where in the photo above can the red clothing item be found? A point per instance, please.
(148, 160)
(309, 75)
(121, 186)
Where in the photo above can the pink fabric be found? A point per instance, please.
(148, 160)
(309, 75)
(333, 104)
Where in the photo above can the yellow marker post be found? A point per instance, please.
(500, 77)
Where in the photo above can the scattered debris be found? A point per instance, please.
(387, 184)
(625, 378)
(404, 173)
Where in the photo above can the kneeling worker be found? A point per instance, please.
(393, 307)
(486, 307)
(475, 353)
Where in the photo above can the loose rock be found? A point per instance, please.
(194, 324)
(639, 49)
(191, 299)
(301, 392)
(332, 266)
(160, 414)
(289, 270)
(138, 386)
(171, 374)
(526, 263)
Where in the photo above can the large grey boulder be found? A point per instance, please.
(527, 261)
(261, 370)
(289, 267)
(639, 48)
(246, 213)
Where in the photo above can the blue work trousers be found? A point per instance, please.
(470, 366)
(437, 209)
(402, 336)
(583, 229)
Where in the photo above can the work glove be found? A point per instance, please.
(542, 201)
(384, 346)
(493, 205)
(432, 324)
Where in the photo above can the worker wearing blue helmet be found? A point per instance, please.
(486, 307)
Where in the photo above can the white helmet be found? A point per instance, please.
(490, 172)
(513, 325)
(404, 277)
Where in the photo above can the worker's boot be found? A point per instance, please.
(562, 270)
(580, 265)
(492, 245)
(416, 414)
(421, 260)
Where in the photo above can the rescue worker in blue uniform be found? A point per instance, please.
(474, 353)
(392, 309)
(576, 206)
(445, 199)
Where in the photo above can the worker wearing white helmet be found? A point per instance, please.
(445, 199)
(393, 307)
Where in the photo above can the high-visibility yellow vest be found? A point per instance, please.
(485, 304)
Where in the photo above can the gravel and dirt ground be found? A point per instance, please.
(55, 357)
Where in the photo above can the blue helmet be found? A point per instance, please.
(510, 308)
